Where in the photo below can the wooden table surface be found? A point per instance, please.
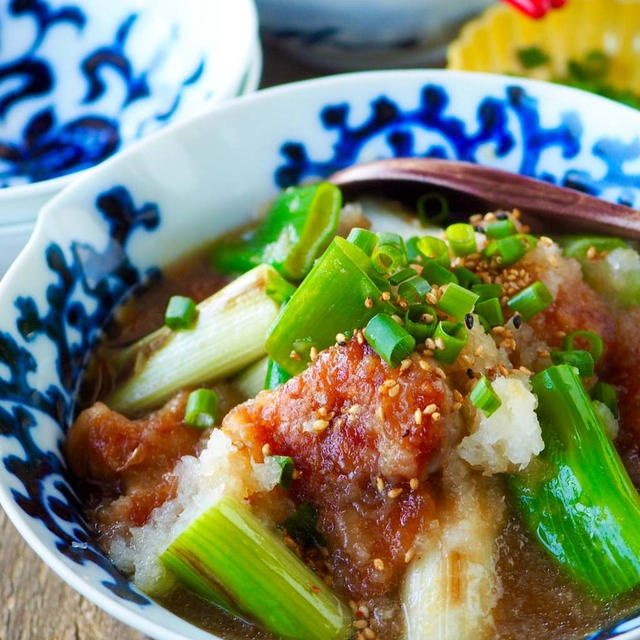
(34, 603)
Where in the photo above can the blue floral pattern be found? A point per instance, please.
(87, 283)
(51, 144)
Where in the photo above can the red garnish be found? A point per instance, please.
(536, 8)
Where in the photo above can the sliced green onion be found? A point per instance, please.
(435, 273)
(414, 290)
(577, 498)
(500, 229)
(596, 345)
(457, 301)
(578, 246)
(485, 325)
(286, 470)
(606, 394)
(466, 277)
(491, 311)
(297, 228)
(432, 209)
(461, 238)
(531, 300)
(231, 552)
(581, 360)
(484, 397)
(275, 375)
(338, 295)
(180, 313)
(402, 275)
(487, 291)
(454, 336)
(413, 254)
(434, 249)
(530, 242)
(505, 251)
(420, 320)
(229, 334)
(388, 339)
(250, 381)
(363, 239)
(302, 526)
(387, 258)
(202, 409)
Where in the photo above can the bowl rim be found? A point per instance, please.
(242, 64)
(55, 207)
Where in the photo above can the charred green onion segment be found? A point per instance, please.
(575, 498)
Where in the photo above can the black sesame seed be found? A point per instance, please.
(479, 228)
(468, 320)
(470, 373)
(517, 321)
(501, 216)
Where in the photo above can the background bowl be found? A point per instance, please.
(81, 80)
(365, 34)
(141, 210)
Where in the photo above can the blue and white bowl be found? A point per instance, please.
(146, 207)
(80, 80)
(365, 34)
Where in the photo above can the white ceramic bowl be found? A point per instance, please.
(365, 34)
(149, 205)
(80, 80)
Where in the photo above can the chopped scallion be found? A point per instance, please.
(581, 360)
(461, 238)
(491, 311)
(454, 336)
(531, 300)
(500, 229)
(414, 290)
(389, 340)
(286, 470)
(387, 258)
(364, 239)
(466, 277)
(606, 394)
(487, 291)
(457, 301)
(435, 273)
(402, 275)
(505, 251)
(432, 209)
(434, 249)
(202, 409)
(596, 345)
(420, 320)
(484, 397)
(275, 376)
(180, 313)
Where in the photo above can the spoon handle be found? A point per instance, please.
(501, 190)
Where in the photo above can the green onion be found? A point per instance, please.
(402, 275)
(581, 360)
(388, 339)
(457, 301)
(466, 277)
(577, 498)
(500, 229)
(596, 345)
(338, 295)
(485, 325)
(202, 409)
(531, 300)
(275, 375)
(414, 290)
(491, 311)
(505, 251)
(532, 57)
(387, 258)
(363, 239)
(413, 255)
(229, 334)
(420, 320)
(454, 336)
(578, 246)
(461, 238)
(484, 397)
(229, 552)
(431, 248)
(286, 470)
(297, 228)
(606, 394)
(180, 313)
(302, 526)
(435, 273)
(432, 209)
(487, 291)
(530, 242)
(250, 381)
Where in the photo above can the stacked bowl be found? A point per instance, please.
(81, 80)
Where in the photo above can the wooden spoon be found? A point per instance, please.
(492, 189)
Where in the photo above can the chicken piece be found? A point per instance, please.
(363, 447)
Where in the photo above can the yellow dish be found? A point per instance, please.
(592, 44)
